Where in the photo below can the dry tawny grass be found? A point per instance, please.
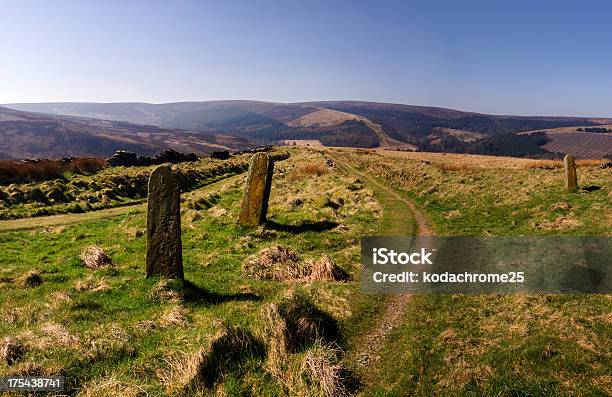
(321, 373)
(94, 257)
(111, 386)
(91, 284)
(290, 326)
(275, 332)
(457, 167)
(177, 317)
(281, 264)
(552, 164)
(312, 169)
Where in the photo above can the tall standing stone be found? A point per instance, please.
(571, 179)
(164, 248)
(257, 191)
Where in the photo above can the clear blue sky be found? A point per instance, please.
(505, 57)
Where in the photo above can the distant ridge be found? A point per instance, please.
(335, 123)
(27, 134)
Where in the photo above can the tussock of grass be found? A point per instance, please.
(301, 343)
(281, 264)
(50, 336)
(195, 374)
(274, 263)
(322, 374)
(325, 268)
(301, 322)
(94, 257)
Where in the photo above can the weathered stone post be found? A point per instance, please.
(257, 190)
(164, 248)
(571, 179)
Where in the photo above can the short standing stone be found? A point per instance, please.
(164, 248)
(257, 191)
(571, 179)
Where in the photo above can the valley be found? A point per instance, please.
(333, 123)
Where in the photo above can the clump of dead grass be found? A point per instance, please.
(94, 257)
(322, 374)
(50, 336)
(300, 341)
(298, 323)
(325, 268)
(281, 264)
(274, 263)
(312, 170)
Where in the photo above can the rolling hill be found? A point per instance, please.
(26, 134)
(337, 123)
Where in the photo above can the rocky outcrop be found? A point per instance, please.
(130, 159)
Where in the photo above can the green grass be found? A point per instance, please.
(92, 326)
(516, 345)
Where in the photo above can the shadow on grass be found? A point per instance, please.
(226, 352)
(306, 226)
(195, 294)
(590, 188)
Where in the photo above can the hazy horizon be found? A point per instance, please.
(544, 59)
(298, 102)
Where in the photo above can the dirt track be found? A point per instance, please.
(402, 217)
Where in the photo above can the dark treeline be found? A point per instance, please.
(514, 145)
(595, 129)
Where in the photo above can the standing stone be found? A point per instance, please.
(571, 179)
(257, 191)
(164, 248)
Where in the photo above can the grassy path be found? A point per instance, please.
(400, 218)
(67, 219)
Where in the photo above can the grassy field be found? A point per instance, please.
(110, 331)
(497, 345)
(278, 310)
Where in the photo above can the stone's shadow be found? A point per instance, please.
(590, 188)
(306, 226)
(195, 294)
